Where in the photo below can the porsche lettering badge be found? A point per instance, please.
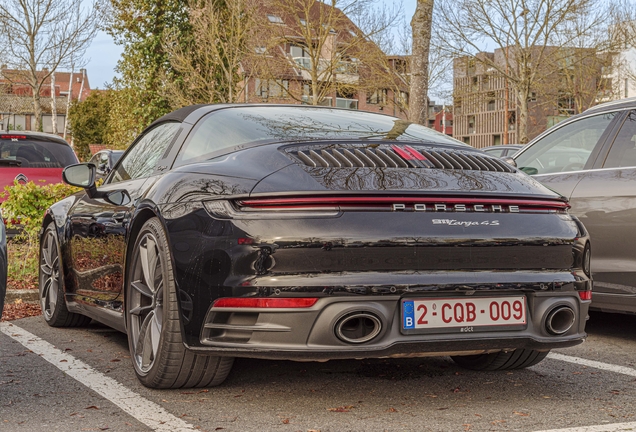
(478, 208)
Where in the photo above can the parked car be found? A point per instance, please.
(503, 150)
(33, 156)
(591, 159)
(104, 161)
(312, 233)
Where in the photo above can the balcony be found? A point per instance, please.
(347, 103)
(344, 71)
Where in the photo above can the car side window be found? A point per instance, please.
(623, 151)
(566, 149)
(140, 161)
(94, 159)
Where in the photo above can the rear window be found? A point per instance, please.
(22, 151)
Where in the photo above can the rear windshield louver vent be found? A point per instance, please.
(394, 156)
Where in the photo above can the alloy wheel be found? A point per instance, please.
(50, 274)
(145, 306)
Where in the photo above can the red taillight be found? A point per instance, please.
(415, 153)
(404, 154)
(362, 201)
(13, 136)
(585, 295)
(251, 302)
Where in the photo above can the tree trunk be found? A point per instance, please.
(421, 25)
(68, 101)
(53, 105)
(522, 121)
(37, 110)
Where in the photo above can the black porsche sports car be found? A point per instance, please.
(310, 233)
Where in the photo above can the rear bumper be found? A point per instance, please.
(309, 334)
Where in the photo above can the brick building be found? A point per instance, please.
(485, 111)
(345, 80)
(16, 101)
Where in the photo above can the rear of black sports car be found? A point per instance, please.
(352, 249)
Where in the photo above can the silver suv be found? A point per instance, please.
(591, 159)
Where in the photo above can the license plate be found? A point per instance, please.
(463, 315)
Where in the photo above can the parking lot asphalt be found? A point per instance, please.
(82, 379)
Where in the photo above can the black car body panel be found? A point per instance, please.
(260, 222)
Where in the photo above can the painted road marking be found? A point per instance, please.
(602, 366)
(599, 428)
(594, 364)
(147, 412)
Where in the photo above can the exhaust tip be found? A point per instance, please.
(560, 320)
(358, 327)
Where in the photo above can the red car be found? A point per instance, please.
(33, 156)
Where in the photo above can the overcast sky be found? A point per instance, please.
(103, 54)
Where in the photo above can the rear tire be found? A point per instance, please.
(517, 359)
(51, 284)
(152, 320)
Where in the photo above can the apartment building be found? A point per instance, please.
(485, 109)
(316, 55)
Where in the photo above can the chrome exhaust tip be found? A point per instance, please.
(358, 327)
(560, 320)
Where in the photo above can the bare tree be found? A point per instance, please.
(529, 36)
(418, 97)
(209, 63)
(320, 42)
(41, 36)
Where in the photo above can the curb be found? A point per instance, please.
(27, 295)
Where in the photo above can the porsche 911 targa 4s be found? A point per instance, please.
(310, 233)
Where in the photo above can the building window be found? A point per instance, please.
(378, 97)
(532, 97)
(298, 51)
(275, 19)
(466, 140)
(303, 23)
(471, 124)
(496, 140)
(491, 105)
(566, 103)
(272, 88)
(403, 98)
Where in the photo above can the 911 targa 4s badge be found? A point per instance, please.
(311, 233)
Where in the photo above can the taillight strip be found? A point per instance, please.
(334, 200)
(260, 302)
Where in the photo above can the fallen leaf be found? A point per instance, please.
(344, 408)
(92, 407)
(521, 413)
(391, 410)
(115, 360)
(286, 421)
(63, 361)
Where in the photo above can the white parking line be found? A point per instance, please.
(615, 427)
(147, 412)
(593, 364)
(599, 428)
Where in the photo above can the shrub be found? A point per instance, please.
(24, 209)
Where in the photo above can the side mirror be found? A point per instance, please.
(509, 161)
(118, 197)
(81, 175)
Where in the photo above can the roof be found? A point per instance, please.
(39, 135)
(62, 81)
(20, 105)
(617, 105)
(179, 115)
